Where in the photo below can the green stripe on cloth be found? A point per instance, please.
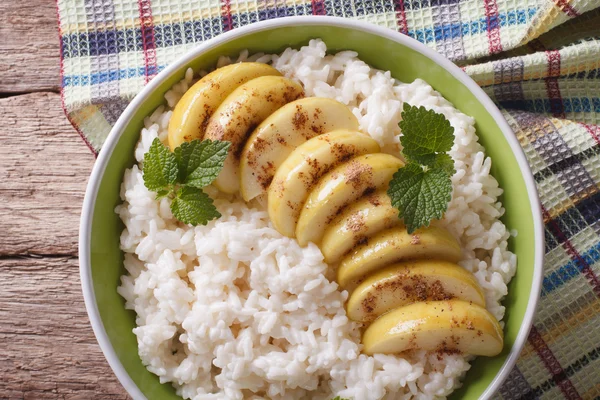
(539, 60)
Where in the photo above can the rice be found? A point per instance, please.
(235, 310)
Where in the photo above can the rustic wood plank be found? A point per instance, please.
(44, 168)
(48, 349)
(29, 46)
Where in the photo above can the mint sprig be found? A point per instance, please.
(420, 194)
(425, 134)
(192, 206)
(180, 176)
(422, 189)
(160, 167)
(200, 162)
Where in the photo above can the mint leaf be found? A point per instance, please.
(443, 162)
(200, 162)
(192, 206)
(424, 133)
(420, 195)
(422, 189)
(162, 193)
(339, 398)
(181, 175)
(160, 167)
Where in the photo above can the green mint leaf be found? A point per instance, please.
(420, 195)
(339, 398)
(444, 162)
(200, 161)
(160, 167)
(424, 133)
(441, 160)
(162, 193)
(192, 206)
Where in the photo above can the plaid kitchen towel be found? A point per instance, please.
(538, 59)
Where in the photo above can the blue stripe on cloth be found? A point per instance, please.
(551, 241)
(116, 41)
(563, 274)
(575, 219)
(590, 209)
(452, 31)
(107, 76)
(101, 42)
(591, 74)
(187, 32)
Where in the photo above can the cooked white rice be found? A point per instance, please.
(234, 310)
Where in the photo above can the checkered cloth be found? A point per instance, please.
(538, 59)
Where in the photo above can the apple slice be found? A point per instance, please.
(409, 282)
(343, 185)
(358, 221)
(394, 245)
(301, 171)
(284, 130)
(246, 107)
(445, 326)
(192, 112)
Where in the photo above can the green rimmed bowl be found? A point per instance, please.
(101, 260)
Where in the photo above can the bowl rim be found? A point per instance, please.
(85, 228)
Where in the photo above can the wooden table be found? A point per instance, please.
(47, 347)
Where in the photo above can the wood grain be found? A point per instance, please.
(44, 168)
(29, 46)
(47, 347)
